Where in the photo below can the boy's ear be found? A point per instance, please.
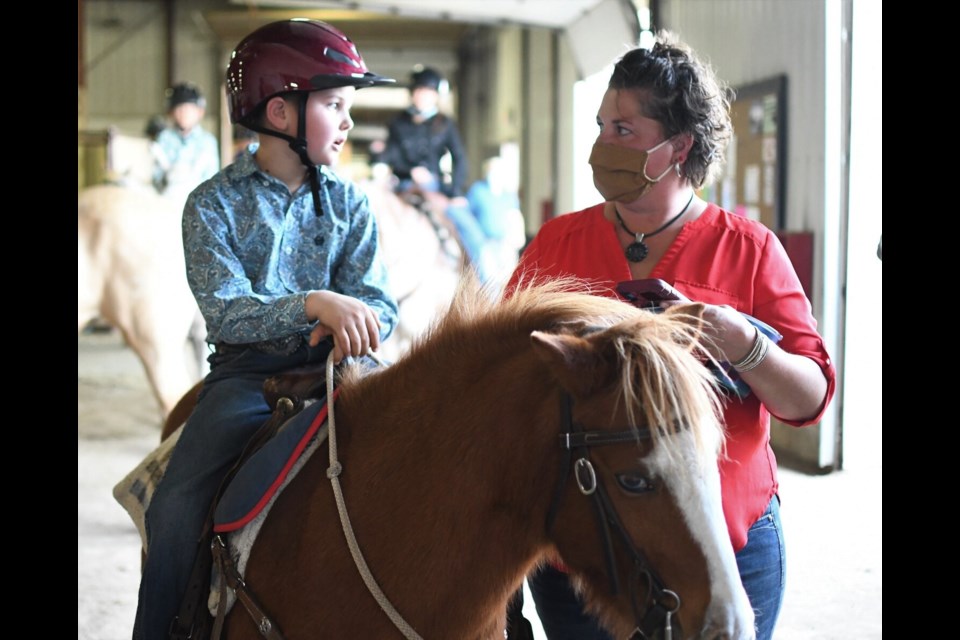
(277, 114)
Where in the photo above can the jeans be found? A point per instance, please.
(230, 410)
(471, 235)
(469, 230)
(762, 565)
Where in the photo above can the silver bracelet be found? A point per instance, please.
(758, 352)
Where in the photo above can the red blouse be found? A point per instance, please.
(719, 258)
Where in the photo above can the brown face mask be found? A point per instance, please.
(615, 171)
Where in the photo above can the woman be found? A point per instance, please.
(664, 123)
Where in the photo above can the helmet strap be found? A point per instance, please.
(299, 145)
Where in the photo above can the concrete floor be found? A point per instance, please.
(833, 523)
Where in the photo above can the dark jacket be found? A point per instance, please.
(411, 145)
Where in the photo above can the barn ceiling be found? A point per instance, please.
(596, 29)
(543, 13)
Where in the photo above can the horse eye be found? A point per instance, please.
(634, 482)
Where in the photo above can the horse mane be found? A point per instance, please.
(661, 355)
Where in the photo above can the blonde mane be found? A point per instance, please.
(662, 372)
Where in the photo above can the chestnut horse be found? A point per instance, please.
(552, 426)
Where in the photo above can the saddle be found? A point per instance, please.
(249, 485)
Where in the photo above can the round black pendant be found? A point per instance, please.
(636, 252)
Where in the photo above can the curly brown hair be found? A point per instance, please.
(684, 95)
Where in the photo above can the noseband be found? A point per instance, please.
(574, 439)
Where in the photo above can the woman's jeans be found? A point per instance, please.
(230, 410)
(761, 562)
(763, 566)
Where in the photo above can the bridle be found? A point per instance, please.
(661, 603)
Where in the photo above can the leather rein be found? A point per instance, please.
(661, 603)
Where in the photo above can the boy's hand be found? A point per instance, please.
(354, 326)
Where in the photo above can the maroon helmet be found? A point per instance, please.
(292, 56)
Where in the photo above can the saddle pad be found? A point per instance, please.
(135, 491)
(258, 480)
(240, 542)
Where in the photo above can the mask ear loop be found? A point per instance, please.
(665, 171)
(662, 175)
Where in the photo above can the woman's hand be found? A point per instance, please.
(729, 335)
(354, 326)
(792, 387)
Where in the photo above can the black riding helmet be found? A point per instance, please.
(426, 77)
(184, 93)
(293, 57)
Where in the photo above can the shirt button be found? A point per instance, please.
(318, 240)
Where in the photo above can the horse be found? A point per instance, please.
(425, 257)
(551, 426)
(131, 274)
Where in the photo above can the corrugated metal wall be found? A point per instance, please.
(748, 41)
(125, 50)
(752, 40)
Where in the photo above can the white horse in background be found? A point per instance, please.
(131, 274)
(425, 259)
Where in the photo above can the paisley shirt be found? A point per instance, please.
(254, 251)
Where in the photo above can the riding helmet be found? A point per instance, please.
(426, 77)
(296, 55)
(185, 93)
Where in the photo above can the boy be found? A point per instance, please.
(185, 154)
(283, 260)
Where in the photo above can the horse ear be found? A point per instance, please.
(574, 360)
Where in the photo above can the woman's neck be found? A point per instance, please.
(648, 213)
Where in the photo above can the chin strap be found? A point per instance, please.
(299, 145)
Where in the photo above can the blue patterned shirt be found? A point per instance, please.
(254, 251)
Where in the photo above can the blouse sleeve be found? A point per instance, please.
(780, 301)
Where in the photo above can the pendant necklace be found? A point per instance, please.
(637, 250)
